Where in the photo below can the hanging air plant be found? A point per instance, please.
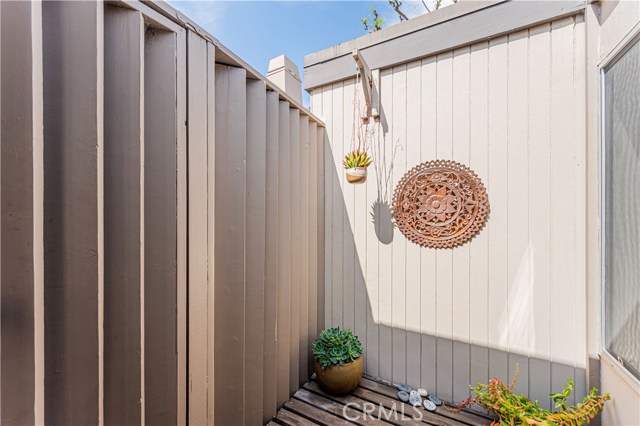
(356, 163)
(362, 135)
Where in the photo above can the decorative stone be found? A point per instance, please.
(423, 392)
(405, 388)
(440, 204)
(415, 399)
(437, 401)
(430, 406)
(403, 396)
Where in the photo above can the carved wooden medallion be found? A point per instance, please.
(440, 204)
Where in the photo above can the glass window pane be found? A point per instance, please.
(622, 214)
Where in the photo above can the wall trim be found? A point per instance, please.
(483, 23)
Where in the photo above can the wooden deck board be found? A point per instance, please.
(462, 418)
(288, 418)
(372, 404)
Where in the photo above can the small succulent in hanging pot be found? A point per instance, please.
(355, 164)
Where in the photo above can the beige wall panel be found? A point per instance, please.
(337, 204)
(270, 362)
(198, 307)
(359, 243)
(478, 247)
(444, 268)
(326, 104)
(428, 282)
(539, 188)
(230, 292)
(255, 252)
(373, 208)
(617, 19)
(73, 102)
(413, 293)
(519, 266)
(563, 336)
(385, 288)
(284, 252)
(497, 187)
(461, 279)
(581, 362)
(348, 190)
(398, 165)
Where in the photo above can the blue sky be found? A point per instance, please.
(260, 30)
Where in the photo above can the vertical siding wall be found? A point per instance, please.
(513, 109)
(157, 208)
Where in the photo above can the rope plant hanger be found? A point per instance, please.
(358, 159)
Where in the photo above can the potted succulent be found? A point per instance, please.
(338, 360)
(355, 164)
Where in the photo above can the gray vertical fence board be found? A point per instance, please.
(160, 232)
(21, 220)
(123, 169)
(295, 241)
(197, 229)
(270, 383)
(284, 253)
(312, 232)
(38, 210)
(181, 227)
(230, 231)
(72, 210)
(255, 246)
(304, 250)
(211, 182)
(320, 150)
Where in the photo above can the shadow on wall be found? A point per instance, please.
(442, 365)
(381, 214)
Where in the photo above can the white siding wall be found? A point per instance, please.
(513, 109)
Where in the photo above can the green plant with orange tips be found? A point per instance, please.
(356, 159)
(516, 410)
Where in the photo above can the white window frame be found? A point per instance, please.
(610, 60)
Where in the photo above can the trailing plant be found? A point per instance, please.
(335, 346)
(512, 409)
(356, 159)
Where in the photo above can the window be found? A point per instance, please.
(621, 85)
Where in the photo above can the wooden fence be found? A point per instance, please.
(161, 211)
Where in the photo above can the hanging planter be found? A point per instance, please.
(355, 164)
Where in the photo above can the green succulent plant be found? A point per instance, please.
(335, 346)
(513, 409)
(356, 159)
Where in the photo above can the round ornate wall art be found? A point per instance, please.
(440, 204)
